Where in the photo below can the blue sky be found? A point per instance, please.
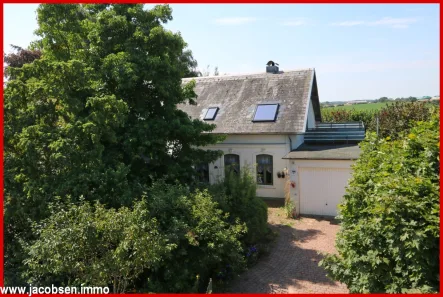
(358, 51)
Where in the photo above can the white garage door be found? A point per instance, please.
(321, 189)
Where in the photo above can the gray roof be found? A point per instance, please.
(238, 96)
(325, 152)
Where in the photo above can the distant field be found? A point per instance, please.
(368, 106)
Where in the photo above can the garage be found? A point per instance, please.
(319, 175)
(321, 189)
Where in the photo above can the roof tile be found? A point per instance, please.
(238, 96)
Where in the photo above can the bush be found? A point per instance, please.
(389, 237)
(345, 115)
(173, 240)
(400, 117)
(205, 241)
(91, 245)
(237, 196)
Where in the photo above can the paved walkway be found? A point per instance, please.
(292, 266)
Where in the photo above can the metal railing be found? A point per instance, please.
(348, 126)
(335, 132)
(341, 125)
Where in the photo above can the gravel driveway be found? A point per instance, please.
(292, 265)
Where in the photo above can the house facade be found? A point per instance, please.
(272, 123)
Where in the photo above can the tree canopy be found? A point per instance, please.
(95, 114)
(20, 57)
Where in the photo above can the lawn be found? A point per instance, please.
(368, 106)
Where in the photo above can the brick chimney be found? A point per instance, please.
(271, 67)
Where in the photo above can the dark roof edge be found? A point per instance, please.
(315, 99)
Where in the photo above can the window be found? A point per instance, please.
(211, 113)
(266, 113)
(202, 172)
(264, 170)
(232, 163)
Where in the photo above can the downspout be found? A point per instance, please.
(290, 143)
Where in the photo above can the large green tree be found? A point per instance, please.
(96, 115)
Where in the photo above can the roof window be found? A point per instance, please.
(211, 113)
(266, 113)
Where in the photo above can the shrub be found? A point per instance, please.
(236, 195)
(289, 209)
(205, 241)
(345, 115)
(389, 237)
(173, 240)
(400, 117)
(91, 245)
(289, 206)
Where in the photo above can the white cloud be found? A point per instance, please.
(348, 23)
(394, 22)
(294, 23)
(235, 20)
(246, 20)
(398, 23)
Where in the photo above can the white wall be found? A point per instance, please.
(294, 169)
(296, 141)
(311, 116)
(248, 147)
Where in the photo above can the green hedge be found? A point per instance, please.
(389, 237)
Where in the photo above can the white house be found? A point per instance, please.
(357, 102)
(272, 123)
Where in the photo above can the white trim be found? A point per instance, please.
(305, 122)
(270, 187)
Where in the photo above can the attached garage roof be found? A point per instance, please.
(325, 152)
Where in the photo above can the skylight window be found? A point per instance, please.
(211, 113)
(266, 113)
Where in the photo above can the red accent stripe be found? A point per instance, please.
(441, 224)
(1, 174)
(235, 2)
(194, 2)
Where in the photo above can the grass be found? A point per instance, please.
(368, 106)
